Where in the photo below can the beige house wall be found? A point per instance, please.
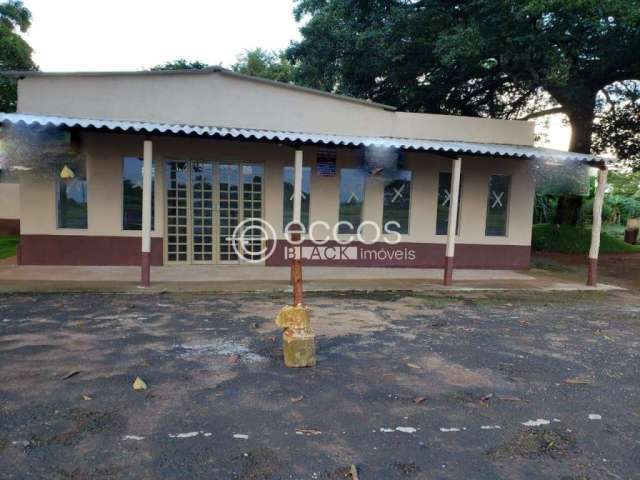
(9, 201)
(226, 100)
(104, 174)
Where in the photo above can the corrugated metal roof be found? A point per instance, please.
(450, 147)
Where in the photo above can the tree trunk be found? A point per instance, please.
(581, 118)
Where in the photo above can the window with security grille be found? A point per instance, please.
(498, 205)
(444, 201)
(397, 200)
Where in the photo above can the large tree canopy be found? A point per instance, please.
(499, 58)
(15, 52)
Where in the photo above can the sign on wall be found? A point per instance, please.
(326, 163)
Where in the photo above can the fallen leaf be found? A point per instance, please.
(353, 472)
(72, 373)
(296, 399)
(87, 397)
(511, 399)
(485, 399)
(419, 400)
(413, 365)
(233, 359)
(139, 384)
(576, 381)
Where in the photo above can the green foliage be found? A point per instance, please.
(616, 209)
(15, 52)
(617, 123)
(627, 184)
(570, 239)
(181, 64)
(499, 58)
(264, 64)
(8, 246)
(544, 208)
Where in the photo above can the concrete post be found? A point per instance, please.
(147, 168)
(453, 220)
(296, 263)
(592, 269)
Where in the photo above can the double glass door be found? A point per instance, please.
(206, 201)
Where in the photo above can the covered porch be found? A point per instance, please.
(243, 278)
(161, 144)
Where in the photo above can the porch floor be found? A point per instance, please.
(260, 278)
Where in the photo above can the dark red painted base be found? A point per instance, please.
(413, 255)
(145, 269)
(448, 270)
(85, 250)
(592, 272)
(9, 226)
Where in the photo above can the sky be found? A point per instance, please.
(103, 35)
(93, 35)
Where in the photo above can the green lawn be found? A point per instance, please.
(568, 239)
(8, 246)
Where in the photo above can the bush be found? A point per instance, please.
(570, 239)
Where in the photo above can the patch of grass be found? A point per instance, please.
(8, 246)
(569, 239)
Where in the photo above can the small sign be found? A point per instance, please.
(326, 164)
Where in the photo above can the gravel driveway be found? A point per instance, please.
(407, 386)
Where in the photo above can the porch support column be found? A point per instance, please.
(147, 167)
(592, 269)
(453, 220)
(296, 263)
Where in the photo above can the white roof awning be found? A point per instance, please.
(439, 146)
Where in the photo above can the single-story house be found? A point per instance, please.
(222, 146)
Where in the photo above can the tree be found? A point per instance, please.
(498, 58)
(180, 64)
(617, 123)
(501, 58)
(15, 52)
(265, 64)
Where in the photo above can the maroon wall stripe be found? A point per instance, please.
(86, 250)
(9, 226)
(416, 255)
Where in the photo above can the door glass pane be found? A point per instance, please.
(351, 199)
(497, 205)
(287, 200)
(229, 213)
(177, 176)
(444, 200)
(252, 210)
(202, 211)
(397, 198)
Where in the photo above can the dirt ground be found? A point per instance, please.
(621, 269)
(408, 385)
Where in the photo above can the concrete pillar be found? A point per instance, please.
(592, 269)
(297, 187)
(147, 169)
(453, 220)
